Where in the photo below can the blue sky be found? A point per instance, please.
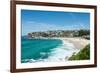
(35, 20)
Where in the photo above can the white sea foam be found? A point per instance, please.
(58, 54)
(61, 53)
(43, 53)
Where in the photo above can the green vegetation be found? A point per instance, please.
(83, 32)
(84, 54)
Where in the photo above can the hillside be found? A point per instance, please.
(84, 54)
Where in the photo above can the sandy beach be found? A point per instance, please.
(79, 43)
(76, 43)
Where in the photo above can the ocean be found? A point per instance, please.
(44, 50)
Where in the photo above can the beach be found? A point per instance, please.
(66, 47)
(74, 43)
(77, 42)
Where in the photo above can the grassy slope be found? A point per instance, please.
(84, 54)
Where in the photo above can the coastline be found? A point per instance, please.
(62, 53)
(75, 43)
(78, 44)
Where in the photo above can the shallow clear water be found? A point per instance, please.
(36, 49)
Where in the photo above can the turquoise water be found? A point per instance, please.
(37, 49)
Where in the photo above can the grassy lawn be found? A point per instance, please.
(84, 54)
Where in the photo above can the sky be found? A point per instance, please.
(35, 20)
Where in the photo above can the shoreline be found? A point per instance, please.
(76, 44)
(70, 46)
